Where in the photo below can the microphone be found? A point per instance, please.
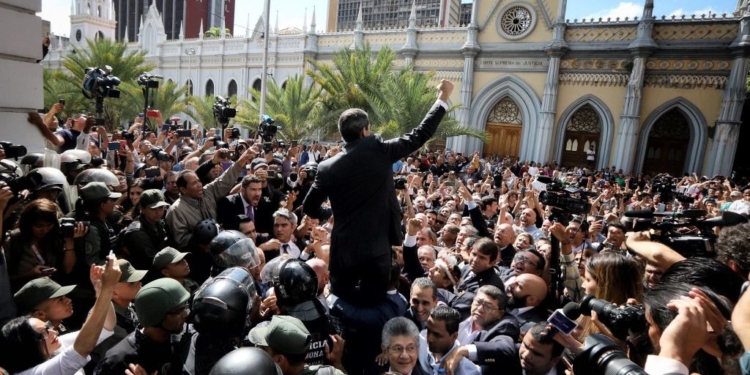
(563, 320)
(640, 214)
(572, 310)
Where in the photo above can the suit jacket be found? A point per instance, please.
(229, 208)
(359, 183)
(412, 268)
(506, 255)
(496, 347)
(529, 318)
(468, 286)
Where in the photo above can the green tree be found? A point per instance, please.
(215, 32)
(201, 109)
(125, 65)
(395, 99)
(295, 108)
(170, 99)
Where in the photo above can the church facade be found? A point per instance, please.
(649, 94)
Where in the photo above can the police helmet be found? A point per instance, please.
(33, 160)
(311, 169)
(295, 283)
(222, 306)
(47, 178)
(245, 361)
(205, 231)
(231, 248)
(97, 175)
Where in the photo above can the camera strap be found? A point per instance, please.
(37, 255)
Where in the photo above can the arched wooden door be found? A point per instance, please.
(504, 127)
(667, 144)
(581, 133)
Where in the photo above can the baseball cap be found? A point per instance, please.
(155, 300)
(285, 334)
(129, 273)
(37, 291)
(97, 190)
(152, 198)
(258, 163)
(167, 256)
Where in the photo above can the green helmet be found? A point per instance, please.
(157, 298)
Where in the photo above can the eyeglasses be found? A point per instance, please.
(524, 259)
(398, 349)
(485, 305)
(48, 328)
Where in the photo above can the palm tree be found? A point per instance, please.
(125, 65)
(215, 32)
(410, 96)
(170, 99)
(295, 108)
(201, 109)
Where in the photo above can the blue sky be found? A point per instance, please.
(292, 12)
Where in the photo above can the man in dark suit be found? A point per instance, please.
(488, 338)
(422, 299)
(359, 183)
(243, 203)
(480, 272)
(526, 295)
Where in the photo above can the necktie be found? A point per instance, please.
(250, 212)
(285, 249)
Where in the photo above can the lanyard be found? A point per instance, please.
(38, 256)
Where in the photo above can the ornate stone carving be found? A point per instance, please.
(605, 33)
(516, 21)
(334, 41)
(585, 119)
(593, 64)
(389, 38)
(585, 79)
(702, 31)
(505, 112)
(685, 81)
(452, 37)
(687, 65)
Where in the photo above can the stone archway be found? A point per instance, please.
(606, 134)
(582, 133)
(667, 144)
(696, 140)
(504, 126)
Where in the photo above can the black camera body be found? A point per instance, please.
(100, 83)
(666, 186)
(159, 154)
(128, 136)
(266, 129)
(68, 226)
(13, 151)
(222, 111)
(149, 81)
(235, 133)
(399, 183)
(603, 356)
(619, 320)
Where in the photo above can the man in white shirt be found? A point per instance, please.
(741, 206)
(439, 340)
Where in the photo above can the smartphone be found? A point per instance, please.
(61, 101)
(114, 145)
(294, 143)
(562, 322)
(184, 133)
(598, 218)
(271, 174)
(165, 128)
(152, 113)
(152, 172)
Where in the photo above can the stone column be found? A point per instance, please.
(20, 49)
(469, 51)
(726, 134)
(410, 48)
(641, 48)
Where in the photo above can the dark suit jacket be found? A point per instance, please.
(359, 183)
(506, 255)
(496, 347)
(468, 286)
(227, 209)
(412, 268)
(529, 318)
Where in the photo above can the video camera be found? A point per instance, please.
(68, 226)
(159, 154)
(149, 80)
(399, 183)
(13, 151)
(11, 174)
(565, 201)
(689, 245)
(619, 320)
(222, 112)
(266, 129)
(100, 82)
(666, 186)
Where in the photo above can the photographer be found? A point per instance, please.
(197, 203)
(35, 248)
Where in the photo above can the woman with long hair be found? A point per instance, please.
(36, 248)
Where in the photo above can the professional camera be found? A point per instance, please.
(666, 186)
(399, 183)
(267, 130)
(619, 320)
(13, 151)
(564, 200)
(68, 226)
(13, 176)
(601, 355)
(100, 83)
(128, 136)
(235, 133)
(149, 80)
(222, 112)
(159, 154)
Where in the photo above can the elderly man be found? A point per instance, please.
(400, 345)
(197, 202)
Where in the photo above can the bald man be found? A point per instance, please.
(321, 272)
(526, 294)
(504, 238)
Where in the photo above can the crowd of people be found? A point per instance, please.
(144, 251)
